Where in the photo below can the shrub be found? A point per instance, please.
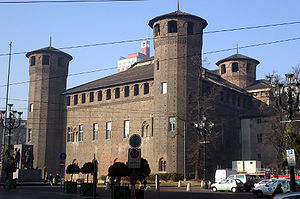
(72, 169)
(118, 170)
(87, 168)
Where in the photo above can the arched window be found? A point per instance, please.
(147, 131)
(190, 28)
(156, 30)
(172, 26)
(143, 131)
(162, 165)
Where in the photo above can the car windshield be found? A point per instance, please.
(272, 182)
(238, 181)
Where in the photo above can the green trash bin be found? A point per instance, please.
(10, 184)
(86, 189)
(120, 192)
(70, 187)
(139, 194)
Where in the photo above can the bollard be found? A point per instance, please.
(157, 185)
(188, 187)
(201, 183)
(179, 183)
(209, 184)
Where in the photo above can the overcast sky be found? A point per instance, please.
(29, 27)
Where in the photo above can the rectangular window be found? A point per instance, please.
(126, 93)
(157, 65)
(172, 26)
(32, 60)
(190, 28)
(136, 89)
(91, 96)
(31, 108)
(117, 93)
(60, 61)
(29, 135)
(156, 30)
(163, 88)
(95, 131)
(68, 101)
(172, 122)
(223, 68)
(83, 98)
(108, 94)
(126, 128)
(69, 135)
(248, 67)
(235, 67)
(80, 135)
(152, 126)
(99, 96)
(45, 60)
(259, 138)
(108, 131)
(146, 88)
(75, 99)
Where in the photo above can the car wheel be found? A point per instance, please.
(214, 189)
(234, 189)
(259, 194)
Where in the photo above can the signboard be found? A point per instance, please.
(291, 159)
(135, 141)
(134, 158)
(62, 163)
(62, 156)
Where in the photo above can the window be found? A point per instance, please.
(83, 98)
(68, 101)
(108, 94)
(152, 126)
(172, 122)
(69, 135)
(75, 99)
(45, 60)
(143, 131)
(172, 26)
(248, 67)
(136, 89)
(31, 108)
(190, 28)
(259, 138)
(156, 30)
(108, 131)
(146, 88)
(223, 68)
(163, 87)
(117, 93)
(80, 135)
(126, 93)
(91, 96)
(29, 135)
(95, 131)
(32, 60)
(162, 165)
(235, 67)
(157, 65)
(126, 129)
(60, 61)
(99, 95)
(147, 131)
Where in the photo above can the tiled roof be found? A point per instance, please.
(135, 74)
(48, 50)
(236, 57)
(259, 84)
(176, 14)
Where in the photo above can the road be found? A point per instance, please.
(56, 192)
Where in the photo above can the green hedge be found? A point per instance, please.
(175, 177)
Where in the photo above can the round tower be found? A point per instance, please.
(48, 70)
(238, 69)
(177, 61)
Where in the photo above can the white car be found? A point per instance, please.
(269, 188)
(262, 182)
(234, 185)
(292, 195)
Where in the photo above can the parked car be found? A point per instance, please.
(292, 195)
(269, 188)
(233, 185)
(247, 179)
(222, 174)
(262, 182)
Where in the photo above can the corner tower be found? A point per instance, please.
(178, 51)
(238, 69)
(48, 70)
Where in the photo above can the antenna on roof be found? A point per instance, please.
(237, 48)
(50, 40)
(178, 6)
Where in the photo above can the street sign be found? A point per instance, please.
(62, 156)
(291, 159)
(134, 158)
(62, 163)
(135, 141)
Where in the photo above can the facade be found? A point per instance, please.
(125, 63)
(156, 98)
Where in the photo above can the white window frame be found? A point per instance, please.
(31, 107)
(95, 131)
(172, 123)
(108, 131)
(69, 134)
(126, 128)
(80, 134)
(29, 136)
(164, 87)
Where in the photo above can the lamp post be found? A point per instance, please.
(10, 123)
(204, 128)
(288, 92)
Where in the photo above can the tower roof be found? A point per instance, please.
(48, 50)
(236, 57)
(177, 14)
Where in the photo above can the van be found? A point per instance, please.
(222, 174)
(247, 179)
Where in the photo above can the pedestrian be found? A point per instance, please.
(51, 179)
(57, 179)
(145, 183)
(277, 190)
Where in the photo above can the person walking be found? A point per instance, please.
(51, 179)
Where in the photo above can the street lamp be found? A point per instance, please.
(10, 123)
(289, 93)
(204, 128)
